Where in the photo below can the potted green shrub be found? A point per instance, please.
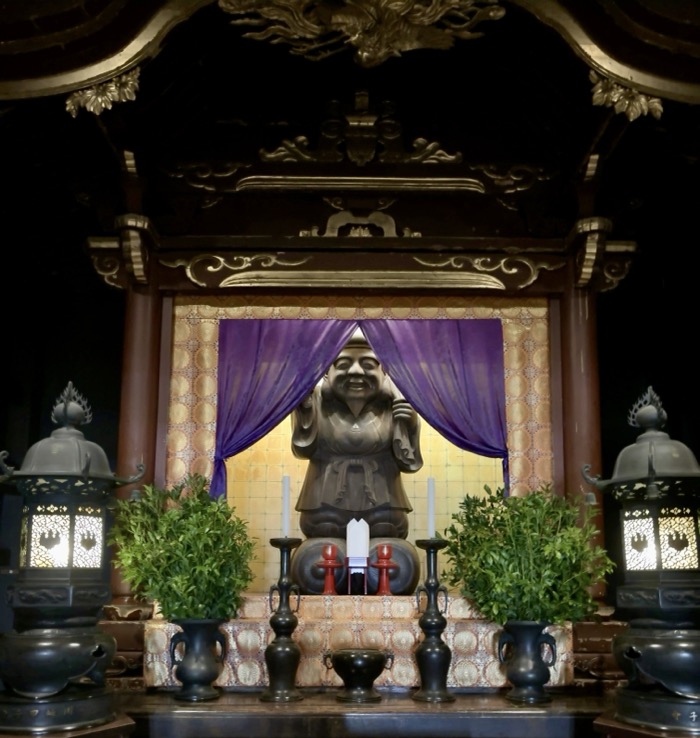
(191, 555)
(525, 563)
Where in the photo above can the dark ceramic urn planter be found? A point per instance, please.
(201, 662)
(520, 648)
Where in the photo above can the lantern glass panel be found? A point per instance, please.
(679, 548)
(640, 545)
(50, 537)
(88, 539)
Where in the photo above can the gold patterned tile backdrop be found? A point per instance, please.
(255, 475)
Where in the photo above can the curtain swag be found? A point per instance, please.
(451, 371)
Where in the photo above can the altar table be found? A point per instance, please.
(321, 715)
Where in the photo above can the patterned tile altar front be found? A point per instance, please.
(333, 622)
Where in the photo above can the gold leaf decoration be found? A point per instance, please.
(624, 99)
(101, 97)
(376, 29)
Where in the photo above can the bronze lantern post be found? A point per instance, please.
(53, 662)
(651, 507)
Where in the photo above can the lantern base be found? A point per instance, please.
(663, 659)
(657, 709)
(45, 661)
(75, 708)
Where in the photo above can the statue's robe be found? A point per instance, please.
(355, 462)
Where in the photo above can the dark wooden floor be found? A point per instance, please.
(570, 714)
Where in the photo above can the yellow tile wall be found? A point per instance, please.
(255, 487)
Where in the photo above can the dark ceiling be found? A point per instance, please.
(517, 100)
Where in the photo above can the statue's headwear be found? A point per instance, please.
(358, 340)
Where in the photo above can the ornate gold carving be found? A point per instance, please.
(340, 269)
(369, 279)
(359, 226)
(594, 232)
(514, 179)
(616, 263)
(135, 254)
(600, 264)
(585, 259)
(525, 270)
(426, 152)
(361, 137)
(106, 260)
(213, 263)
(503, 185)
(119, 260)
(591, 167)
(129, 163)
(295, 150)
(203, 176)
(364, 135)
(377, 29)
(384, 184)
(101, 97)
(623, 99)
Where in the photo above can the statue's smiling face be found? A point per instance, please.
(356, 374)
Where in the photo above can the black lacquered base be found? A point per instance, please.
(358, 696)
(75, 708)
(657, 709)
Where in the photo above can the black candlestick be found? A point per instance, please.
(433, 656)
(282, 654)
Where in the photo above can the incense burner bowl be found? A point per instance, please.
(358, 668)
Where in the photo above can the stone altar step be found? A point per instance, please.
(328, 622)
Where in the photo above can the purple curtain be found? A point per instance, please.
(266, 368)
(451, 371)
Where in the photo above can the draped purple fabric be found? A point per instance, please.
(266, 368)
(451, 371)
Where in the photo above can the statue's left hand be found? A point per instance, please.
(403, 411)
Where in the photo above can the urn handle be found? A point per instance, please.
(326, 657)
(283, 592)
(179, 637)
(504, 640)
(221, 640)
(389, 660)
(548, 640)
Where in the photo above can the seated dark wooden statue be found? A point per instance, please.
(359, 435)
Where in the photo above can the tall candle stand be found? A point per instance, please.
(433, 656)
(283, 654)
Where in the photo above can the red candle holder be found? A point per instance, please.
(385, 565)
(329, 564)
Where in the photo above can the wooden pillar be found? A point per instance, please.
(139, 398)
(581, 397)
(580, 388)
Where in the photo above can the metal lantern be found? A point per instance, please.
(53, 662)
(652, 527)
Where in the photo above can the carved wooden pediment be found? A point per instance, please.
(475, 145)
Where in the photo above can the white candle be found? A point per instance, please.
(285, 505)
(431, 507)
